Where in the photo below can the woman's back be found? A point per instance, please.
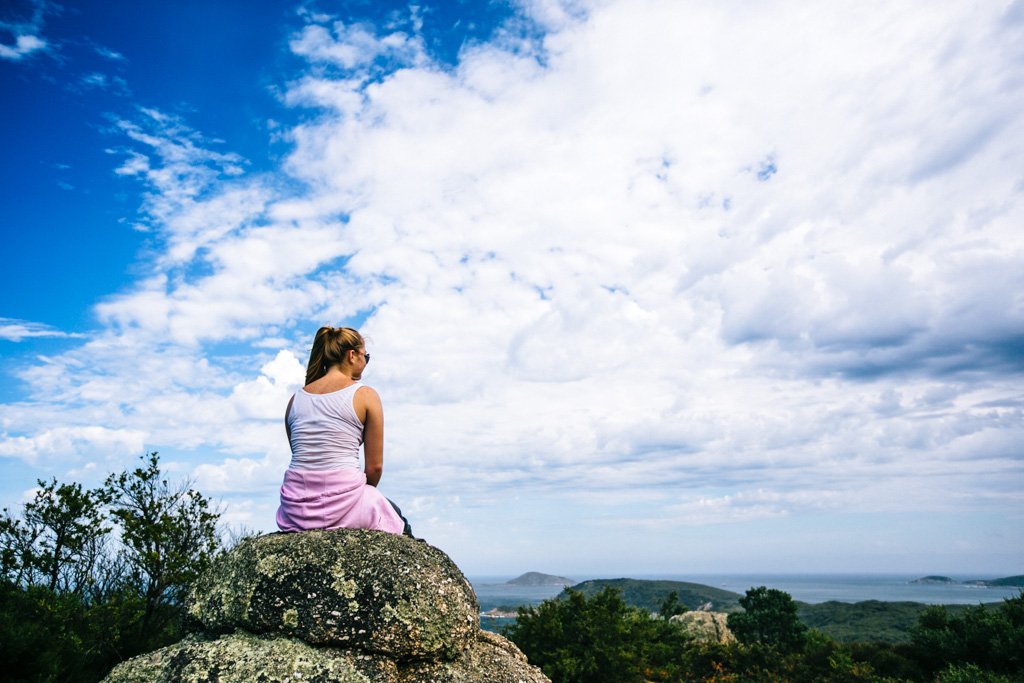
(324, 431)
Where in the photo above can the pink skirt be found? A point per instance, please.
(334, 499)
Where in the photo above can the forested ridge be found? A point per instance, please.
(650, 594)
(1017, 581)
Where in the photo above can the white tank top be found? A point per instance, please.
(325, 432)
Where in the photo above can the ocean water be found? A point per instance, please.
(492, 591)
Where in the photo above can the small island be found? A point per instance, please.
(538, 579)
(1011, 581)
(934, 580)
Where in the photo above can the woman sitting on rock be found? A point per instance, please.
(326, 421)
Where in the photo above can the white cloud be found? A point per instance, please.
(74, 442)
(23, 46)
(24, 26)
(18, 330)
(264, 396)
(107, 53)
(350, 47)
(96, 80)
(752, 265)
(743, 506)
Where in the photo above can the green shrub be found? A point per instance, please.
(990, 639)
(768, 618)
(72, 603)
(598, 640)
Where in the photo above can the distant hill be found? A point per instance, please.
(869, 620)
(649, 595)
(934, 579)
(1017, 581)
(538, 579)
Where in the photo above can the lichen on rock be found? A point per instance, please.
(350, 606)
(491, 658)
(239, 658)
(362, 589)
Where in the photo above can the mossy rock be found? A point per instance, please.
(241, 658)
(361, 590)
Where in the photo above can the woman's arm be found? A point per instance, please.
(373, 433)
(288, 427)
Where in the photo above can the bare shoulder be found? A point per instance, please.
(367, 396)
(367, 392)
(367, 405)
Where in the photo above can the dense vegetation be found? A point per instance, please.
(89, 578)
(602, 639)
(870, 620)
(598, 638)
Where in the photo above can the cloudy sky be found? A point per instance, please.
(651, 286)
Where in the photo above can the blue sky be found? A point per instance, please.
(651, 287)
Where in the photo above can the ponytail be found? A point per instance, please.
(329, 348)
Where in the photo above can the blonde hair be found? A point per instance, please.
(329, 348)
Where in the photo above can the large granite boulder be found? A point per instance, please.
(347, 606)
(706, 627)
(240, 657)
(244, 658)
(365, 590)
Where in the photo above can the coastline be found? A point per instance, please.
(848, 607)
(808, 588)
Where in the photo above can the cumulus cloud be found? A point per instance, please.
(743, 266)
(77, 442)
(353, 46)
(264, 396)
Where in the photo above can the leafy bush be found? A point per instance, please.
(971, 673)
(599, 639)
(990, 639)
(74, 599)
(768, 618)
